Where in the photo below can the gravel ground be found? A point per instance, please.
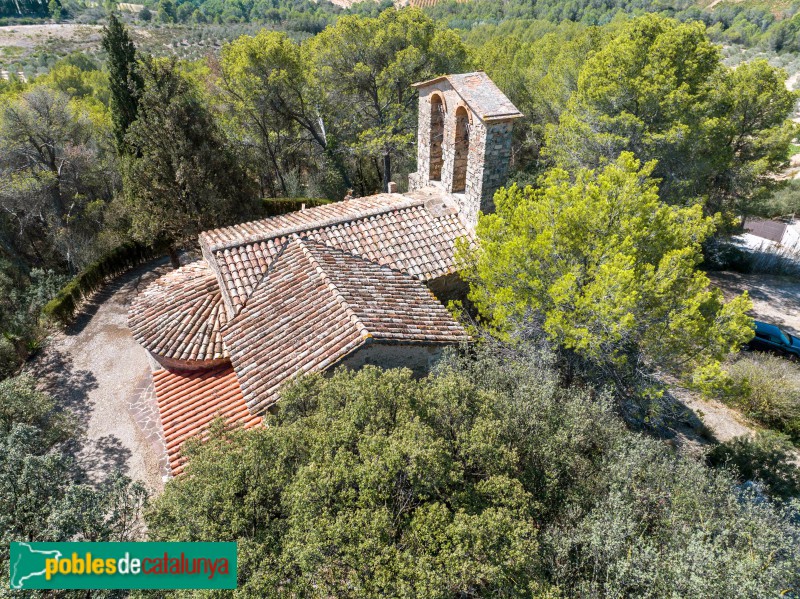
(775, 299)
(97, 370)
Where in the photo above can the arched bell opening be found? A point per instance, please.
(437, 138)
(461, 153)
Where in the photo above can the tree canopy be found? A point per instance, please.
(125, 82)
(184, 178)
(487, 478)
(607, 270)
(659, 91)
(44, 495)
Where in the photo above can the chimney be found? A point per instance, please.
(392, 187)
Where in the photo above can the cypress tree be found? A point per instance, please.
(125, 79)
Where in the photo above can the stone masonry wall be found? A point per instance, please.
(417, 357)
(487, 157)
(496, 157)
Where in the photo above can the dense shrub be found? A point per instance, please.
(487, 478)
(42, 497)
(767, 389)
(9, 358)
(62, 307)
(766, 458)
(278, 206)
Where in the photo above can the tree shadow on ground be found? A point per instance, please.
(102, 457)
(71, 388)
(679, 425)
(54, 370)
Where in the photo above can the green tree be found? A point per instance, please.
(366, 67)
(659, 91)
(57, 173)
(268, 78)
(166, 11)
(607, 270)
(485, 479)
(54, 8)
(184, 179)
(539, 77)
(125, 80)
(40, 496)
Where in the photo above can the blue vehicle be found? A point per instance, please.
(773, 339)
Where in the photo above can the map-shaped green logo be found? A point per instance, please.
(27, 563)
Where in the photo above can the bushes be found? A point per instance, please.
(767, 458)
(278, 206)
(767, 389)
(488, 478)
(62, 307)
(9, 358)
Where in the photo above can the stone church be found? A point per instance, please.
(351, 283)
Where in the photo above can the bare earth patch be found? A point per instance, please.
(776, 300)
(96, 369)
(29, 36)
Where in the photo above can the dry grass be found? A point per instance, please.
(766, 388)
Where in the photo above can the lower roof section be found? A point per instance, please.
(178, 318)
(190, 400)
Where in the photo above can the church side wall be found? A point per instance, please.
(419, 358)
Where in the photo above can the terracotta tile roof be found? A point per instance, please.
(390, 229)
(316, 305)
(189, 401)
(179, 316)
(481, 95)
(298, 221)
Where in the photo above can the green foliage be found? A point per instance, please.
(607, 270)
(125, 81)
(22, 296)
(63, 306)
(539, 75)
(366, 67)
(487, 478)
(665, 526)
(40, 496)
(766, 388)
(58, 168)
(9, 357)
(783, 201)
(767, 458)
(183, 178)
(54, 8)
(345, 95)
(166, 12)
(659, 91)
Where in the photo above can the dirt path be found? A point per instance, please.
(96, 369)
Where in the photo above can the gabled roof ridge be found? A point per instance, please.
(354, 317)
(403, 202)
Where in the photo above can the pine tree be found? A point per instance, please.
(125, 80)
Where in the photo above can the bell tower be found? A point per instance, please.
(464, 140)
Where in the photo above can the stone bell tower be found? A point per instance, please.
(463, 140)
